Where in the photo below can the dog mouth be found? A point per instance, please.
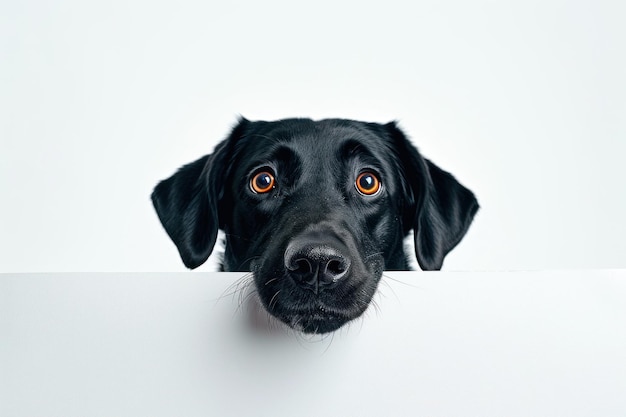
(311, 313)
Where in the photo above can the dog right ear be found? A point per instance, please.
(188, 202)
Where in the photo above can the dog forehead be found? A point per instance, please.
(310, 139)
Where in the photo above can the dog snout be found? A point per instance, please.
(314, 266)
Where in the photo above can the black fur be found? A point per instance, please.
(316, 246)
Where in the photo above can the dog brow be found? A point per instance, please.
(354, 147)
(284, 154)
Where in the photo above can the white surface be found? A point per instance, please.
(441, 344)
(523, 100)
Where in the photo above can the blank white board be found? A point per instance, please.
(547, 343)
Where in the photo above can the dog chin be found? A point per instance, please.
(312, 322)
(318, 318)
(315, 323)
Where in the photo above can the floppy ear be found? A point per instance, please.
(447, 211)
(188, 202)
(438, 207)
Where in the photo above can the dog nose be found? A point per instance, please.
(316, 267)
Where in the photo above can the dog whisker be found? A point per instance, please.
(271, 280)
(376, 307)
(273, 299)
(408, 284)
(243, 299)
(373, 254)
(332, 339)
(234, 288)
(387, 285)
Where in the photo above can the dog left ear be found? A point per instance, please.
(447, 211)
(438, 208)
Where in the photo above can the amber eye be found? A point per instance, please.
(262, 182)
(367, 183)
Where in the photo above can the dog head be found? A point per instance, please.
(316, 210)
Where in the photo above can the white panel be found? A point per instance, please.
(439, 344)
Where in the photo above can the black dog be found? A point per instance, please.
(316, 210)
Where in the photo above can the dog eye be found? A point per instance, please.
(262, 182)
(367, 183)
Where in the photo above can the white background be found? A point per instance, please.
(523, 101)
